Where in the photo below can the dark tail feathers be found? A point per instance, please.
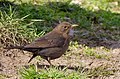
(14, 47)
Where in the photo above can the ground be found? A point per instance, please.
(11, 61)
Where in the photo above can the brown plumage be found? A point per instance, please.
(52, 45)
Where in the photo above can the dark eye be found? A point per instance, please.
(65, 27)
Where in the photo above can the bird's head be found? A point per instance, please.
(65, 28)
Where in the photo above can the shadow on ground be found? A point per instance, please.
(59, 67)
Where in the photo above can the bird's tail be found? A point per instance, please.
(14, 47)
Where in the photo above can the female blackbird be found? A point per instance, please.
(52, 45)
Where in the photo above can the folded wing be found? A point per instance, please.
(48, 41)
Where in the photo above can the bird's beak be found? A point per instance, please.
(74, 25)
(72, 29)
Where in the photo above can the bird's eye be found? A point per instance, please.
(65, 27)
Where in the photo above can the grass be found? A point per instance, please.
(100, 71)
(50, 73)
(64, 73)
(93, 52)
(2, 76)
(14, 30)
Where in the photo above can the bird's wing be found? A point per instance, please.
(47, 41)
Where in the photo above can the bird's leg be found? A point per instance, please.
(34, 55)
(48, 59)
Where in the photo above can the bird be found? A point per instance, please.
(52, 45)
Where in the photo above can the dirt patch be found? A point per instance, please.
(11, 61)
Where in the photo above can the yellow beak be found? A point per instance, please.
(74, 25)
